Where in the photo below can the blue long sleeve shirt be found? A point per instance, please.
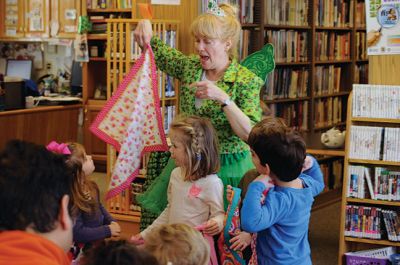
(282, 221)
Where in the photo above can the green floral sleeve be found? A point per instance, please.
(169, 60)
(248, 99)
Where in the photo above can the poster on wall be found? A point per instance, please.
(383, 26)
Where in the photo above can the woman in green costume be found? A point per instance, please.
(213, 85)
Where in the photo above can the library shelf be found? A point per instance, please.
(372, 241)
(355, 165)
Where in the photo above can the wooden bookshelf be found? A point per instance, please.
(308, 20)
(318, 100)
(366, 201)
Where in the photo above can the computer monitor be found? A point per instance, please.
(19, 68)
(76, 78)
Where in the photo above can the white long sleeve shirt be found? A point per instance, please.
(191, 202)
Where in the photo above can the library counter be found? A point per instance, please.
(41, 124)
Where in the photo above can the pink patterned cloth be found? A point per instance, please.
(131, 122)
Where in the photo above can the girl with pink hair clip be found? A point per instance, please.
(195, 192)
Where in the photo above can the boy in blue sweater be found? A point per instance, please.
(282, 220)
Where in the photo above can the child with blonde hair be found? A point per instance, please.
(93, 222)
(195, 192)
(178, 244)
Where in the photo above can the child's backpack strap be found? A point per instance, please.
(231, 228)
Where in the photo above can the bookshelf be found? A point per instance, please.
(319, 53)
(372, 164)
(94, 76)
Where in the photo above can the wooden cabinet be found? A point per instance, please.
(93, 145)
(39, 19)
(41, 124)
(25, 18)
(64, 18)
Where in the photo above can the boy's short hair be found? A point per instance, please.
(118, 252)
(278, 146)
(33, 181)
(178, 244)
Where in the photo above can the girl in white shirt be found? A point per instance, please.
(195, 193)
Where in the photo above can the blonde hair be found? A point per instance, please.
(201, 146)
(219, 27)
(178, 244)
(86, 202)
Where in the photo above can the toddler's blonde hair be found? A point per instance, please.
(178, 244)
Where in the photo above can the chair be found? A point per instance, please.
(261, 62)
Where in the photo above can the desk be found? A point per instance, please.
(40, 124)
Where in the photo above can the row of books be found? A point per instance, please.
(360, 14)
(361, 46)
(244, 43)
(374, 143)
(168, 36)
(94, 4)
(294, 114)
(392, 224)
(287, 83)
(361, 74)
(332, 46)
(376, 101)
(372, 222)
(334, 13)
(169, 114)
(327, 79)
(286, 12)
(384, 184)
(332, 172)
(363, 221)
(99, 28)
(290, 45)
(328, 111)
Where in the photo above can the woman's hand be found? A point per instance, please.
(208, 90)
(137, 239)
(115, 229)
(241, 241)
(211, 227)
(143, 33)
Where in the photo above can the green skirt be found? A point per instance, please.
(233, 167)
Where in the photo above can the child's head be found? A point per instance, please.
(78, 155)
(35, 186)
(178, 244)
(84, 191)
(279, 147)
(194, 146)
(118, 253)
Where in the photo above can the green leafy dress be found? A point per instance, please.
(243, 87)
